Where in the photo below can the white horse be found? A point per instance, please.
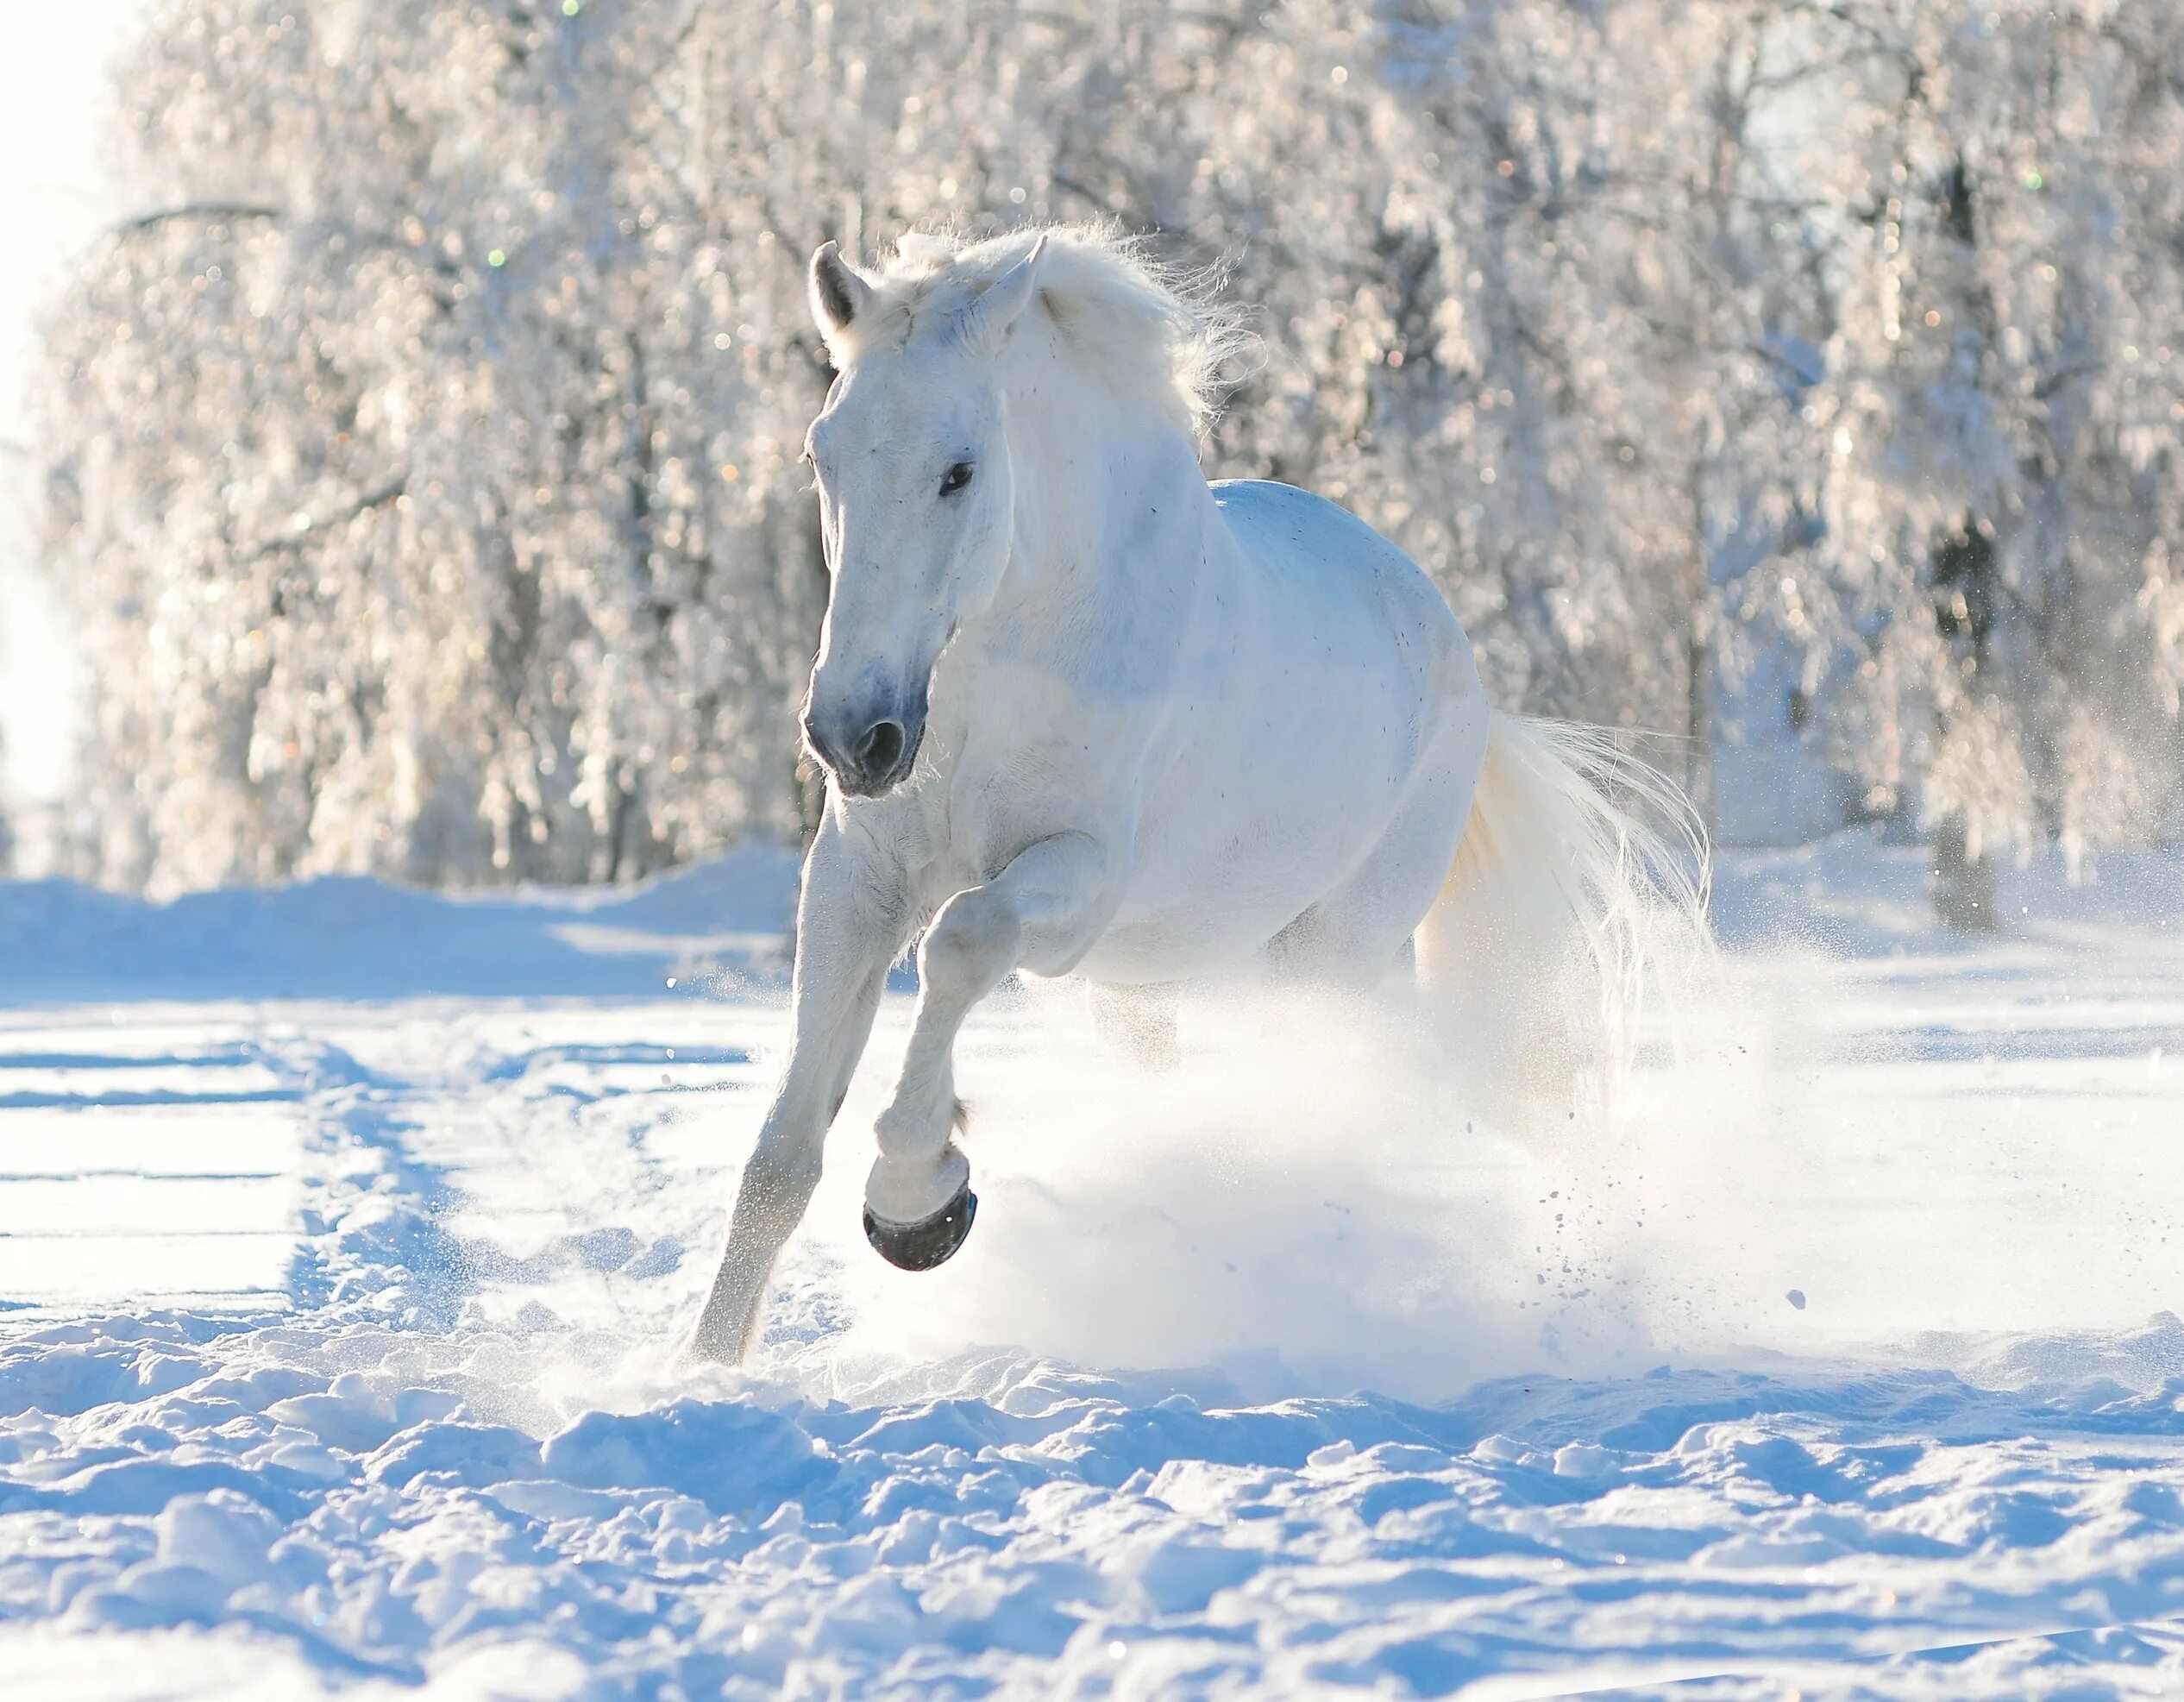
(1083, 714)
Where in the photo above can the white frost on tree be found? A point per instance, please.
(422, 461)
(1992, 598)
(417, 484)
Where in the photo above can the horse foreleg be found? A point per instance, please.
(848, 930)
(1041, 913)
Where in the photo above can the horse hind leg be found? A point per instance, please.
(1493, 962)
(1356, 933)
(1138, 1022)
(1559, 902)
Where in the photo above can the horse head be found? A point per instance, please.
(916, 503)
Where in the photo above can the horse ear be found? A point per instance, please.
(838, 295)
(984, 325)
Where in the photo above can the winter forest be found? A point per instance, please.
(488, 1125)
(420, 459)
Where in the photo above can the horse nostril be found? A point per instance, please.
(880, 747)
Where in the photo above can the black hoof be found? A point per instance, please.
(920, 1246)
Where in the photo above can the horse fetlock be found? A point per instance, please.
(729, 1321)
(721, 1338)
(918, 1121)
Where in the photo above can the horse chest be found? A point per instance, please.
(1008, 795)
(1032, 749)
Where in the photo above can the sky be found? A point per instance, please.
(53, 198)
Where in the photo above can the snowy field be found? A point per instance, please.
(346, 1235)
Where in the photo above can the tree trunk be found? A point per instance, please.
(1698, 719)
(1963, 884)
(1698, 662)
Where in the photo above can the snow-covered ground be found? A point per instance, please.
(346, 1234)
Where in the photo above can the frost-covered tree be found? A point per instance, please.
(1994, 616)
(424, 455)
(414, 489)
(424, 475)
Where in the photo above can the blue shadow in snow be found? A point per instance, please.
(350, 938)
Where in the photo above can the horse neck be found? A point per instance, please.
(1099, 489)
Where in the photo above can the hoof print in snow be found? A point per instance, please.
(921, 1246)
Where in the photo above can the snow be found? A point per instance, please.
(346, 1234)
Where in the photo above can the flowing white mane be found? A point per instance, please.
(1145, 332)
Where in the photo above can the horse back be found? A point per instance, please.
(1314, 563)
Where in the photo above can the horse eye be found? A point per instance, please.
(955, 478)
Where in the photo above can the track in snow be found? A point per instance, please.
(340, 1355)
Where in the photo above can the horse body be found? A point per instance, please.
(1083, 712)
(1236, 710)
(1330, 695)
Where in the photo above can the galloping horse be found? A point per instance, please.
(1083, 714)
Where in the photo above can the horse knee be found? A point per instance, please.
(971, 944)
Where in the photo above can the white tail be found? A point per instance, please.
(1579, 868)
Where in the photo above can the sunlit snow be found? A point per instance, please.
(342, 1354)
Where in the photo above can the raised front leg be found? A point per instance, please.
(1041, 913)
(851, 922)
